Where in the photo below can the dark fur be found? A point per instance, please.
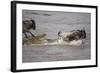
(27, 25)
(76, 35)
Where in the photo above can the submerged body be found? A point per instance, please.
(75, 38)
(72, 35)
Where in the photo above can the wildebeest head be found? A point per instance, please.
(82, 34)
(29, 24)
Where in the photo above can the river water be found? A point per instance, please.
(51, 23)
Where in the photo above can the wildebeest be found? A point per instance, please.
(27, 25)
(72, 35)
